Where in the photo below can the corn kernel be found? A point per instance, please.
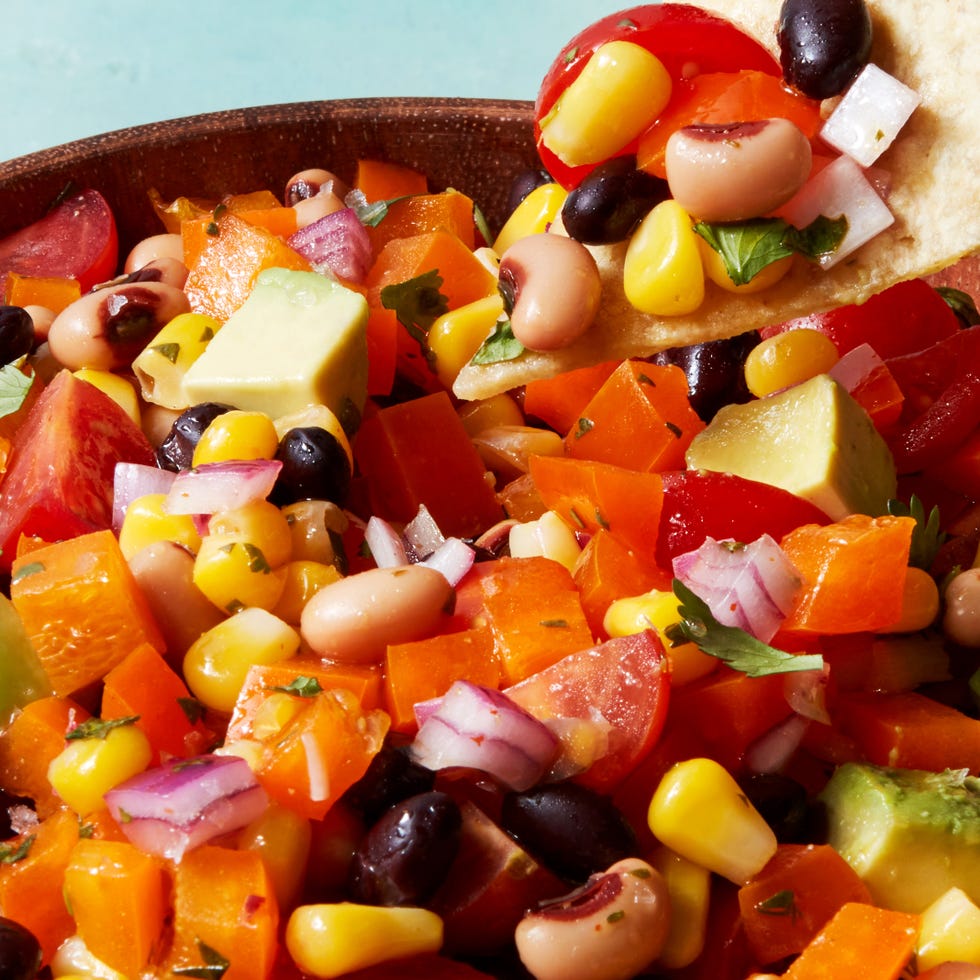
(161, 365)
(116, 387)
(532, 216)
(950, 931)
(618, 94)
(920, 602)
(662, 272)
(317, 528)
(303, 580)
(237, 435)
(787, 359)
(714, 269)
(689, 888)
(146, 523)
(457, 335)
(87, 768)
(549, 536)
(233, 573)
(699, 811)
(217, 662)
(330, 940)
(260, 523)
(319, 416)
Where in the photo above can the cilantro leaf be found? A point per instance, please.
(417, 303)
(501, 345)
(302, 686)
(99, 727)
(13, 852)
(371, 215)
(214, 968)
(740, 650)
(14, 386)
(927, 538)
(961, 304)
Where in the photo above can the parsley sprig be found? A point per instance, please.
(927, 538)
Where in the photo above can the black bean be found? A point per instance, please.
(782, 802)
(391, 777)
(20, 952)
(407, 854)
(823, 44)
(523, 184)
(16, 333)
(176, 452)
(611, 201)
(571, 829)
(315, 466)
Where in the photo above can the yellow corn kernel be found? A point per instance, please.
(950, 931)
(88, 767)
(457, 335)
(318, 416)
(116, 387)
(485, 413)
(262, 524)
(532, 216)
(549, 536)
(237, 435)
(689, 887)
(283, 839)
(161, 365)
(662, 271)
(146, 523)
(920, 602)
(330, 940)
(303, 580)
(217, 662)
(659, 610)
(788, 359)
(233, 573)
(714, 269)
(317, 528)
(699, 811)
(621, 90)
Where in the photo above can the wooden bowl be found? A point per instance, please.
(474, 145)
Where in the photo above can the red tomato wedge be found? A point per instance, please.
(59, 481)
(688, 40)
(76, 239)
(625, 681)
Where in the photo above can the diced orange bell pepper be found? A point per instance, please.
(82, 608)
(379, 180)
(558, 401)
(277, 220)
(145, 685)
(448, 211)
(224, 907)
(52, 292)
(31, 877)
(426, 669)
(117, 894)
(640, 419)
(853, 574)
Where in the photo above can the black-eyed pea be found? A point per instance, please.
(736, 171)
(106, 329)
(167, 245)
(42, 318)
(554, 289)
(961, 620)
(353, 620)
(610, 929)
(311, 182)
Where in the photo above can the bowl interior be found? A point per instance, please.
(474, 145)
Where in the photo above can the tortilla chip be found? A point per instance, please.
(933, 163)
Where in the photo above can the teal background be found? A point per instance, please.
(74, 68)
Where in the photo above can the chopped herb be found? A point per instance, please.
(740, 650)
(555, 623)
(501, 345)
(480, 220)
(169, 351)
(192, 708)
(99, 727)
(206, 334)
(86, 830)
(782, 903)
(31, 568)
(417, 303)
(600, 520)
(640, 873)
(576, 517)
(257, 561)
(627, 22)
(214, 967)
(583, 426)
(236, 605)
(616, 916)
(747, 247)
(374, 213)
(927, 538)
(211, 228)
(961, 304)
(302, 686)
(571, 54)
(12, 853)
(676, 429)
(645, 379)
(14, 386)
(227, 549)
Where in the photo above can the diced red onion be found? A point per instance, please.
(214, 487)
(751, 586)
(868, 118)
(184, 803)
(496, 538)
(454, 558)
(422, 534)
(424, 544)
(133, 480)
(771, 751)
(337, 243)
(480, 728)
(806, 693)
(387, 547)
(856, 366)
(840, 188)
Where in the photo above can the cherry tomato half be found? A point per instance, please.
(687, 39)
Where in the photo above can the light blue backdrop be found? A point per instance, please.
(74, 68)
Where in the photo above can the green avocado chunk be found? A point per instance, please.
(813, 440)
(910, 834)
